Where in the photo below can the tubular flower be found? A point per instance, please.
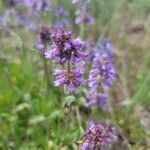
(65, 48)
(98, 136)
(101, 75)
(82, 15)
(95, 98)
(73, 78)
(43, 38)
(66, 52)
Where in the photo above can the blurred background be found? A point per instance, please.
(28, 119)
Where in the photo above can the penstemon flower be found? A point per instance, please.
(98, 136)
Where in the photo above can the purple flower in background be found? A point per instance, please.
(98, 136)
(105, 46)
(43, 38)
(38, 6)
(65, 48)
(82, 15)
(60, 17)
(60, 11)
(94, 98)
(59, 23)
(101, 75)
(72, 77)
(90, 49)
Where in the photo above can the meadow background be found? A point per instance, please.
(29, 121)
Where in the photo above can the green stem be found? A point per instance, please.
(79, 119)
(46, 77)
(82, 31)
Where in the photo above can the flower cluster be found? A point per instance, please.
(82, 15)
(72, 78)
(43, 38)
(36, 7)
(28, 17)
(101, 75)
(60, 14)
(98, 136)
(66, 51)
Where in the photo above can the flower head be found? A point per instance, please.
(98, 135)
(96, 98)
(101, 75)
(43, 38)
(66, 52)
(72, 78)
(65, 48)
(82, 15)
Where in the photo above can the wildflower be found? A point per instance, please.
(95, 98)
(60, 17)
(73, 78)
(82, 15)
(98, 136)
(102, 73)
(101, 76)
(43, 38)
(65, 48)
(66, 52)
(37, 7)
(105, 46)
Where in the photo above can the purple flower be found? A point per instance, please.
(65, 48)
(98, 135)
(66, 52)
(105, 46)
(90, 49)
(101, 75)
(60, 11)
(43, 38)
(95, 98)
(60, 17)
(72, 78)
(60, 23)
(36, 7)
(83, 16)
